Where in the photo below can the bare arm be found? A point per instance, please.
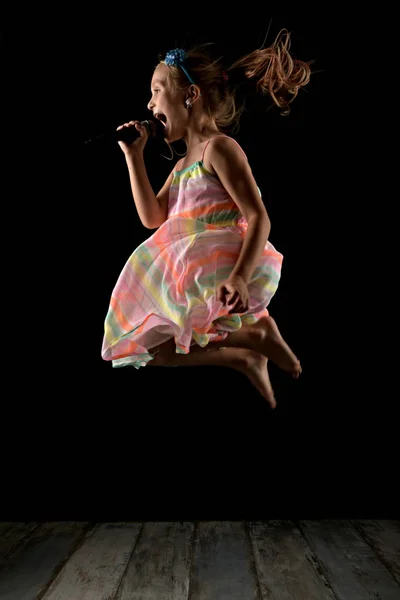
(233, 170)
(152, 209)
(253, 245)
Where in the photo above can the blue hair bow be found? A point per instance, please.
(176, 58)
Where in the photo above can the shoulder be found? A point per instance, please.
(221, 151)
(177, 165)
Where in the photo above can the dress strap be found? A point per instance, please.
(222, 135)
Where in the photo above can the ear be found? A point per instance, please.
(193, 93)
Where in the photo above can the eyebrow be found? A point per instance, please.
(157, 82)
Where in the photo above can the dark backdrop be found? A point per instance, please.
(84, 440)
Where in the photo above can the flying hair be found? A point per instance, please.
(272, 71)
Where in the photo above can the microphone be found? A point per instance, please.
(155, 129)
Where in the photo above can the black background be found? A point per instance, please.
(83, 440)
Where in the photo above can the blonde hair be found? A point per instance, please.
(273, 70)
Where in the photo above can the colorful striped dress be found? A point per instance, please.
(168, 286)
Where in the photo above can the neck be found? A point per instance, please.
(199, 130)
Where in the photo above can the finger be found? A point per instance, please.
(239, 308)
(234, 298)
(141, 129)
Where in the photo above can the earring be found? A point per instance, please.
(188, 103)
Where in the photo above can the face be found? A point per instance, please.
(168, 104)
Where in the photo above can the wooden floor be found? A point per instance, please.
(223, 560)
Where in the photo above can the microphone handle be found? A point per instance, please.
(126, 134)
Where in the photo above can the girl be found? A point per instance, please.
(204, 279)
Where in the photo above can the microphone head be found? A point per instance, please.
(155, 128)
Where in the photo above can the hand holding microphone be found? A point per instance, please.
(132, 135)
(129, 140)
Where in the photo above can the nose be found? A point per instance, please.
(150, 104)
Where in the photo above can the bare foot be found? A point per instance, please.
(255, 368)
(249, 362)
(274, 347)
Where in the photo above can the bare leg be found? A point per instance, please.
(274, 346)
(264, 338)
(249, 362)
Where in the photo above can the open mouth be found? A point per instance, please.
(161, 118)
